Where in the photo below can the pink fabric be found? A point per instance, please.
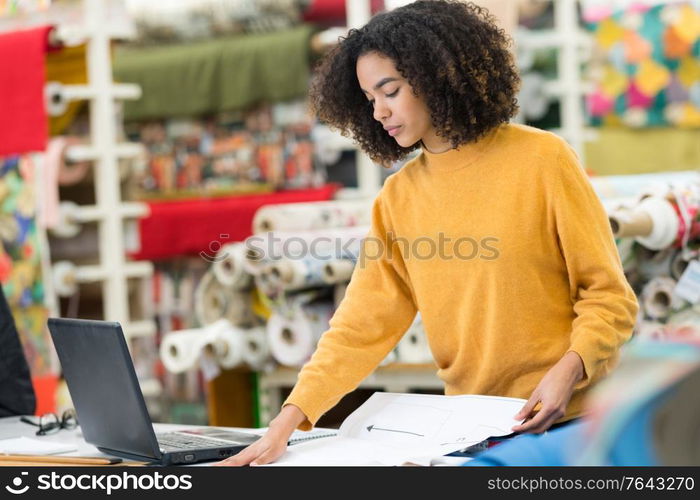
(599, 104)
(48, 211)
(597, 13)
(637, 99)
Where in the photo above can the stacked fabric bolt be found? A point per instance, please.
(658, 236)
(265, 147)
(291, 275)
(302, 257)
(172, 298)
(229, 332)
(229, 346)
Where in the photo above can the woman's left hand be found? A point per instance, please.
(554, 392)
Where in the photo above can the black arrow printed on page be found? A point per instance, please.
(369, 429)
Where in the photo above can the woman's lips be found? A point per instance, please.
(393, 130)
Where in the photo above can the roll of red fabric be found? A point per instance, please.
(23, 122)
(332, 12)
(192, 227)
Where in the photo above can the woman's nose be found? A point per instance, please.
(381, 111)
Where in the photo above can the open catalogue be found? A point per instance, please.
(394, 429)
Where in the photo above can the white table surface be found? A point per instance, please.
(13, 427)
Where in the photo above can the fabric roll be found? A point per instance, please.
(64, 276)
(312, 216)
(679, 263)
(67, 66)
(239, 307)
(267, 289)
(338, 271)
(229, 266)
(654, 223)
(627, 223)
(256, 350)
(288, 274)
(228, 347)
(210, 300)
(56, 103)
(64, 225)
(651, 264)
(659, 299)
(293, 335)
(306, 272)
(413, 347)
(341, 243)
(276, 69)
(186, 227)
(24, 127)
(180, 350)
(213, 301)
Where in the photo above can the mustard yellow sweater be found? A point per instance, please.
(506, 251)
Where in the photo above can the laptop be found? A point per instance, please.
(109, 403)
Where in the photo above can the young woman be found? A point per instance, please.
(493, 232)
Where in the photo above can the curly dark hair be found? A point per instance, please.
(451, 53)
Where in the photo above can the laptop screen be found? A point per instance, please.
(102, 382)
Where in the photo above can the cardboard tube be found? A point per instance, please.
(229, 266)
(282, 271)
(630, 223)
(659, 299)
(338, 271)
(210, 300)
(678, 265)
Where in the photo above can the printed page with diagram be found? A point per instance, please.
(391, 429)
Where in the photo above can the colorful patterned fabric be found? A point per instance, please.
(20, 264)
(646, 69)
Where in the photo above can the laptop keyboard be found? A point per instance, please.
(181, 441)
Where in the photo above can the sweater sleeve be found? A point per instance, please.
(604, 304)
(376, 311)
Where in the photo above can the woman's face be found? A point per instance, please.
(404, 116)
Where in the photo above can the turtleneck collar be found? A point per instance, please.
(462, 156)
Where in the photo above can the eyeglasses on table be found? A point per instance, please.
(50, 423)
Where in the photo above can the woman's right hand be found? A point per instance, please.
(272, 444)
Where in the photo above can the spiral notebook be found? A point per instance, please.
(301, 436)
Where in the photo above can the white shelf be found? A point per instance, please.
(139, 329)
(109, 211)
(93, 213)
(125, 150)
(123, 91)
